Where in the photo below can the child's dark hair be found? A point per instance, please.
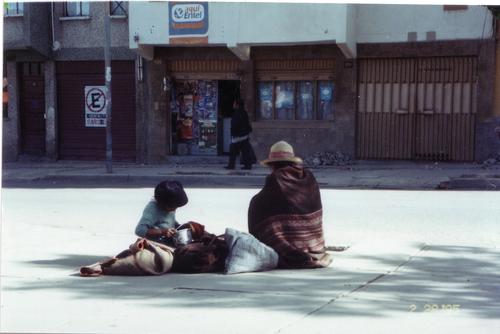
(170, 194)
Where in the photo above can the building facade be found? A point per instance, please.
(373, 81)
(53, 56)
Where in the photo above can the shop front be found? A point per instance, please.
(201, 96)
(200, 114)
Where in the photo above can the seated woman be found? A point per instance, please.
(287, 213)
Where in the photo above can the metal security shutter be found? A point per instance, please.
(84, 143)
(386, 90)
(420, 108)
(447, 106)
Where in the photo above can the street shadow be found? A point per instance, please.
(438, 275)
(69, 262)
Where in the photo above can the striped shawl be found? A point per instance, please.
(287, 216)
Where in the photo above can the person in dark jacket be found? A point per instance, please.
(240, 141)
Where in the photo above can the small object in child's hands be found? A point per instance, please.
(183, 237)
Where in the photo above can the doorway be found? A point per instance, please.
(201, 113)
(32, 108)
(229, 90)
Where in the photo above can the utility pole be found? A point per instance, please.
(107, 75)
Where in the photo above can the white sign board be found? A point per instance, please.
(95, 106)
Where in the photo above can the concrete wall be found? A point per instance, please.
(37, 19)
(392, 23)
(264, 23)
(247, 23)
(51, 143)
(488, 129)
(285, 23)
(31, 31)
(497, 72)
(11, 124)
(13, 36)
(84, 39)
(154, 130)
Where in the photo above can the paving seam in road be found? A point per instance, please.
(364, 285)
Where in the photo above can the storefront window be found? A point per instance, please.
(265, 106)
(118, 8)
(296, 100)
(305, 100)
(284, 104)
(13, 9)
(326, 94)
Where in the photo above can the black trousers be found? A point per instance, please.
(243, 147)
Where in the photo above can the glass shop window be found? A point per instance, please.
(295, 100)
(284, 104)
(266, 97)
(13, 9)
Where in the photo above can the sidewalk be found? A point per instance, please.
(196, 173)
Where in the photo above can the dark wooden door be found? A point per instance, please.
(32, 110)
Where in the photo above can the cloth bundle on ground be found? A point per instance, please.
(205, 255)
(247, 254)
(144, 257)
(287, 216)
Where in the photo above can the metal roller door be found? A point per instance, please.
(76, 141)
(417, 108)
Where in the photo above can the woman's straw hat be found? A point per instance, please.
(281, 151)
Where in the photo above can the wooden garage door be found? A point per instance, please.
(417, 108)
(89, 143)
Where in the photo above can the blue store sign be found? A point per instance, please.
(188, 22)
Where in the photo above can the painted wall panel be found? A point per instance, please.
(391, 23)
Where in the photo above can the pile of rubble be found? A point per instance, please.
(492, 161)
(328, 159)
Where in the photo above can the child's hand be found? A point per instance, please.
(169, 232)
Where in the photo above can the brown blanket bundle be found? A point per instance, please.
(287, 216)
(207, 253)
(144, 257)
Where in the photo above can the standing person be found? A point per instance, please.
(287, 213)
(240, 141)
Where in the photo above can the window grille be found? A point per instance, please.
(118, 8)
